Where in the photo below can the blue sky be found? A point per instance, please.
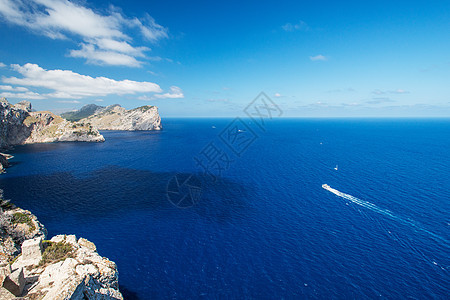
(210, 58)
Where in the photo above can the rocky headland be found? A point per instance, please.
(63, 267)
(20, 125)
(115, 117)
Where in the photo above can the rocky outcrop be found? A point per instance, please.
(20, 125)
(83, 274)
(16, 226)
(47, 127)
(4, 161)
(24, 105)
(115, 117)
(62, 268)
(12, 129)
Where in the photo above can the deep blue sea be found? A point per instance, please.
(260, 225)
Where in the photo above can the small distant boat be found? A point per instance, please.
(240, 130)
(336, 168)
(214, 127)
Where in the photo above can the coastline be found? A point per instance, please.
(63, 267)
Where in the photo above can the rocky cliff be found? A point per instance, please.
(115, 117)
(4, 161)
(20, 125)
(61, 268)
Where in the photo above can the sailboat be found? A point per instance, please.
(336, 168)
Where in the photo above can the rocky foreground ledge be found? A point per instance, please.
(63, 267)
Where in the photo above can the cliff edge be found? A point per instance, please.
(61, 268)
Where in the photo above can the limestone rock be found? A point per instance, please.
(48, 127)
(85, 243)
(86, 275)
(5, 294)
(15, 282)
(16, 226)
(81, 273)
(5, 270)
(24, 105)
(115, 117)
(32, 251)
(19, 125)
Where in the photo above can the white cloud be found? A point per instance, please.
(300, 26)
(2, 65)
(175, 92)
(68, 84)
(119, 46)
(95, 56)
(68, 101)
(397, 91)
(146, 98)
(277, 95)
(352, 104)
(26, 95)
(101, 35)
(378, 92)
(98, 100)
(150, 29)
(13, 89)
(319, 57)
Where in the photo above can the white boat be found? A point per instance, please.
(336, 168)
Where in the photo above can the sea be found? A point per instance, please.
(236, 208)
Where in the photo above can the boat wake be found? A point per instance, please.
(384, 212)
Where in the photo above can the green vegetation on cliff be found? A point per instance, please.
(21, 218)
(55, 252)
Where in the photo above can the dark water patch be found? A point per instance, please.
(114, 189)
(128, 294)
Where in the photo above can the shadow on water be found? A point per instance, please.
(45, 147)
(110, 193)
(127, 294)
(114, 190)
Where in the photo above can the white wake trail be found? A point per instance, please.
(382, 211)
